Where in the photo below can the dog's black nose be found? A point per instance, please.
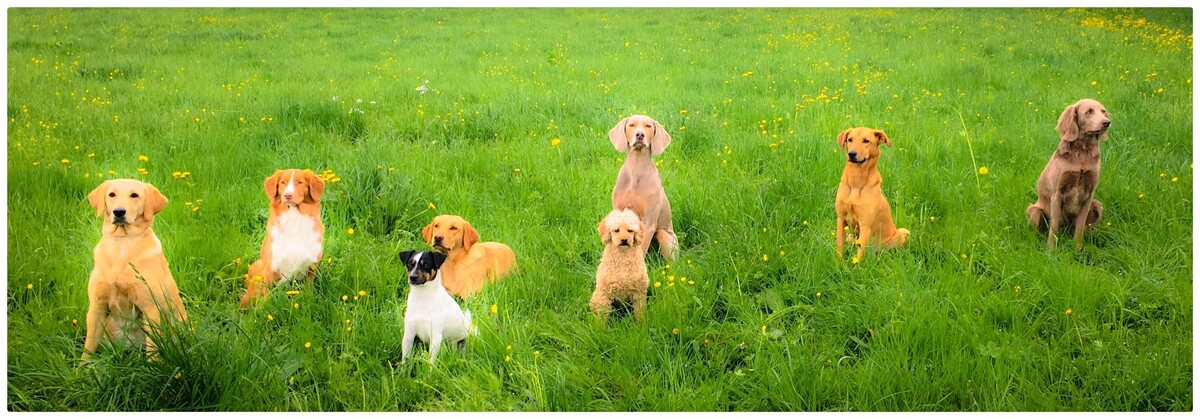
(119, 213)
(1106, 123)
(853, 155)
(624, 242)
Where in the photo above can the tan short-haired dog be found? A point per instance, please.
(131, 285)
(639, 186)
(295, 233)
(621, 275)
(1068, 182)
(860, 201)
(469, 263)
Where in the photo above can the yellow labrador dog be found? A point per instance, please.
(639, 186)
(131, 284)
(860, 203)
(1068, 182)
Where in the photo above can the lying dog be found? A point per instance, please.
(293, 243)
(622, 273)
(469, 263)
(1068, 182)
(860, 201)
(131, 285)
(639, 186)
(431, 314)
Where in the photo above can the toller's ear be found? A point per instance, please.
(469, 236)
(96, 198)
(842, 138)
(1068, 128)
(617, 136)
(155, 202)
(271, 185)
(882, 137)
(316, 186)
(605, 236)
(427, 233)
(661, 140)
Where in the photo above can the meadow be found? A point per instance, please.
(501, 116)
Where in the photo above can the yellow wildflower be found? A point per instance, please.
(983, 170)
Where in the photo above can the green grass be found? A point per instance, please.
(969, 316)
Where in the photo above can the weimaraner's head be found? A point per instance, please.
(1085, 117)
(639, 132)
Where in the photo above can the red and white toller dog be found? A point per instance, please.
(294, 232)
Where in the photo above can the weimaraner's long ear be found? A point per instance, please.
(661, 140)
(842, 138)
(617, 136)
(1068, 128)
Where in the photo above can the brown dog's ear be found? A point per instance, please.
(661, 139)
(617, 136)
(155, 202)
(271, 185)
(1068, 128)
(96, 198)
(316, 186)
(842, 138)
(882, 137)
(605, 236)
(427, 233)
(469, 236)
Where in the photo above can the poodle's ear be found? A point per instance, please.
(661, 139)
(469, 236)
(617, 136)
(1068, 128)
(640, 234)
(842, 138)
(605, 235)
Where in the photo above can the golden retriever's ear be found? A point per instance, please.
(605, 236)
(316, 186)
(427, 233)
(96, 198)
(617, 136)
(842, 138)
(882, 137)
(661, 140)
(155, 202)
(271, 185)
(1067, 128)
(469, 236)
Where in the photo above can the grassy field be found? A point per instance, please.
(756, 314)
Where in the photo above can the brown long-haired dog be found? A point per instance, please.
(621, 275)
(1067, 184)
(295, 233)
(131, 284)
(860, 201)
(639, 186)
(469, 263)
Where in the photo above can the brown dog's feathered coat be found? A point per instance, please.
(130, 285)
(302, 216)
(622, 274)
(860, 201)
(469, 263)
(639, 186)
(1067, 184)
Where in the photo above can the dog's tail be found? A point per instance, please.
(470, 323)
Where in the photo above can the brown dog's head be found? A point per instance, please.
(622, 228)
(639, 132)
(127, 202)
(448, 232)
(1085, 117)
(862, 143)
(294, 187)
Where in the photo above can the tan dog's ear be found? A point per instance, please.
(605, 236)
(469, 236)
(617, 136)
(271, 185)
(1068, 128)
(316, 186)
(427, 233)
(842, 138)
(96, 198)
(155, 202)
(661, 140)
(882, 137)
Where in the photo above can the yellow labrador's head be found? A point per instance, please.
(294, 187)
(862, 143)
(448, 232)
(127, 202)
(639, 132)
(621, 228)
(1086, 117)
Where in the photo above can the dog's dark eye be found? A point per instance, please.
(865, 141)
(112, 194)
(453, 228)
(133, 195)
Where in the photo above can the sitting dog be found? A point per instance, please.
(294, 232)
(1067, 184)
(131, 285)
(639, 186)
(622, 273)
(431, 314)
(860, 201)
(469, 263)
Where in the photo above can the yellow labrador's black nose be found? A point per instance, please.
(119, 213)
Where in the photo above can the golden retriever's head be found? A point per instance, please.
(1085, 117)
(127, 203)
(621, 228)
(448, 232)
(639, 132)
(862, 143)
(294, 187)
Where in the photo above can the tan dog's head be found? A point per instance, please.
(862, 143)
(622, 228)
(127, 203)
(448, 232)
(1086, 117)
(639, 132)
(294, 187)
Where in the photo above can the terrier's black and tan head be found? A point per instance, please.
(422, 267)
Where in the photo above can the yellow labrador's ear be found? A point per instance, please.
(316, 186)
(661, 139)
(617, 136)
(469, 236)
(882, 137)
(155, 202)
(271, 185)
(605, 236)
(1068, 128)
(842, 138)
(96, 198)
(427, 233)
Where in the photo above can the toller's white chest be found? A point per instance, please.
(295, 244)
